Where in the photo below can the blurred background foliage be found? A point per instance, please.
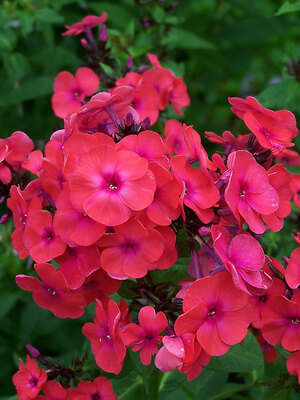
(222, 48)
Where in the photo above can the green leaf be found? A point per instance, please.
(8, 300)
(208, 384)
(171, 381)
(49, 15)
(240, 358)
(277, 393)
(280, 94)
(288, 7)
(30, 89)
(130, 387)
(107, 69)
(16, 65)
(183, 39)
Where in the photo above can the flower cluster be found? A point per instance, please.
(110, 196)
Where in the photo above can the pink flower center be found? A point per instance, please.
(212, 312)
(95, 396)
(295, 320)
(33, 381)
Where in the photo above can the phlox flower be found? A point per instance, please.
(198, 190)
(249, 193)
(273, 129)
(216, 311)
(292, 273)
(243, 257)
(268, 350)
(41, 239)
(69, 91)
(295, 187)
(293, 364)
(106, 337)
(145, 336)
(29, 380)
(282, 322)
(52, 292)
(54, 391)
(90, 21)
(130, 250)
(107, 184)
(100, 389)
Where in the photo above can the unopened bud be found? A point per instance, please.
(103, 36)
(84, 43)
(204, 231)
(141, 69)
(33, 351)
(146, 124)
(129, 63)
(129, 119)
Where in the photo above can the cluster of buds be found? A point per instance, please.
(109, 198)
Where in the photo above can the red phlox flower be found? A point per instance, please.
(289, 157)
(228, 140)
(105, 105)
(216, 311)
(202, 263)
(175, 140)
(29, 380)
(52, 293)
(130, 250)
(281, 319)
(19, 146)
(147, 144)
(198, 190)
(145, 102)
(259, 301)
(90, 21)
(109, 184)
(296, 237)
(268, 350)
(249, 193)
(292, 273)
(69, 91)
(146, 336)
(293, 364)
(273, 129)
(34, 162)
(106, 337)
(133, 79)
(77, 263)
(54, 391)
(98, 285)
(162, 82)
(74, 226)
(41, 239)
(100, 389)
(243, 257)
(165, 206)
(170, 254)
(295, 187)
(178, 93)
(280, 179)
(52, 176)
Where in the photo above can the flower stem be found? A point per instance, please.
(239, 389)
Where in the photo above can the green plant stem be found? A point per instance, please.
(239, 389)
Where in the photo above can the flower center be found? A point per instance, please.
(212, 312)
(33, 381)
(95, 396)
(295, 320)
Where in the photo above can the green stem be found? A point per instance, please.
(239, 389)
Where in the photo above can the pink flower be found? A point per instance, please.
(69, 91)
(249, 193)
(216, 311)
(282, 322)
(106, 338)
(109, 184)
(292, 274)
(293, 364)
(243, 257)
(146, 336)
(52, 293)
(90, 21)
(29, 380)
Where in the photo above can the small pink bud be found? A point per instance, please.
(103, 36)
